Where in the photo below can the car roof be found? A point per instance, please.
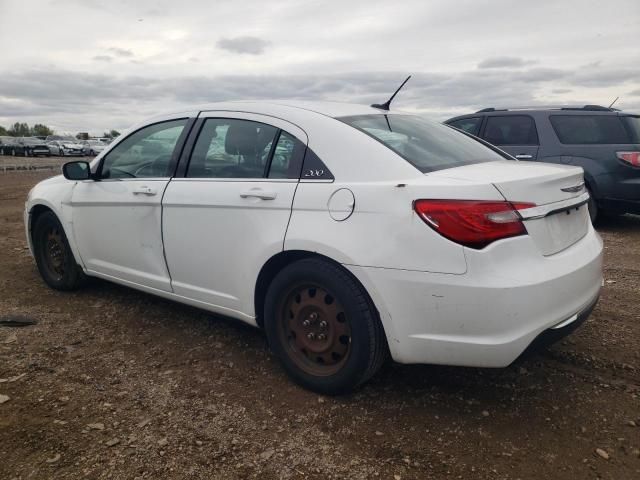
(574, 109)
(329, 109)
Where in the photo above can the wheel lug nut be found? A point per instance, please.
(311, 335)
(313, 316)
(323, 324)
(306, 322)
(322, 336)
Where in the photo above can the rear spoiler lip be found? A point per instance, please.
(542, 211)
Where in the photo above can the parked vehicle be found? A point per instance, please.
(8, 145)
(346, 232)
(33, 147)
(92, 147)
(65, 148)
(603, 141)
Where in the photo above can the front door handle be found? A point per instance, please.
(258, 193)
(144, 190)
(524, 156)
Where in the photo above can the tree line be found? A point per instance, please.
(19, 129)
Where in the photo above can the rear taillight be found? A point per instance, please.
(473, 223)
(632, 158)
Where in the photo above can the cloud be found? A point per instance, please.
(95, 101)
(121, 52)
(504, 62)
(634, 93)
(246, 44)
(103, 58)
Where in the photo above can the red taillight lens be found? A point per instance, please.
(632, 158)
(473, 223)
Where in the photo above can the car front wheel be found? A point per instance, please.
(54, 257)
(323, 327)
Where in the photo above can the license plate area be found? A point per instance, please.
(559, 230)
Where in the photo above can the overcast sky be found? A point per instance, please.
(86, 65)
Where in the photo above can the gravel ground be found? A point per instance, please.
(113, 383)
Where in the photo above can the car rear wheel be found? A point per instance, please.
(54, 257)
(323, 327)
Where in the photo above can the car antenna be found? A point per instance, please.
(614, 102)
(387, 104)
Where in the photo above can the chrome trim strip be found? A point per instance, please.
(551, 208)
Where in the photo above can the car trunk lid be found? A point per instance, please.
(560, 217)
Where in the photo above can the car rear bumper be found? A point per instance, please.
(488, 316)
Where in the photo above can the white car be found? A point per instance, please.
(93, 147)
(346, 232)
(65, 148)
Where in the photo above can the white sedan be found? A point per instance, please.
(65, 148)
(348, 233)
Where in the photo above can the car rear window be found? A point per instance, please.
(632, 123)
(590, 129)
(427, 146)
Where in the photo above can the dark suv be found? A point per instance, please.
(603, 141)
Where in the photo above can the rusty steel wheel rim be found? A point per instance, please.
(54, 252)
(315, 330)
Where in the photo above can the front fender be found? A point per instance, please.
(53, 194)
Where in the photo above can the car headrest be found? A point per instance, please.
(241, 139)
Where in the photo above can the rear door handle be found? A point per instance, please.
(144, 190)
(524, 156)
(258, 193)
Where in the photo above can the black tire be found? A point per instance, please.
(593, 208)
(366, 348)
(54, 257)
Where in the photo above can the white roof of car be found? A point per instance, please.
(330, 109)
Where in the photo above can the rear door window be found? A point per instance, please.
(511, 130)
(589, 129)
(287, 157)
(469, 125)
(232, 148)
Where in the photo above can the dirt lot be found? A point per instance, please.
(112, 383)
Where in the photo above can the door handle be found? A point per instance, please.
(258, 193)
(524, 156)
(144, 190)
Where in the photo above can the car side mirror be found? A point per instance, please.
(76, 171)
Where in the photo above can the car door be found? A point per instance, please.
(229, 213)
(515, 134)
(117, 217)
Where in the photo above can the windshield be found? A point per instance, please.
(426, 145)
